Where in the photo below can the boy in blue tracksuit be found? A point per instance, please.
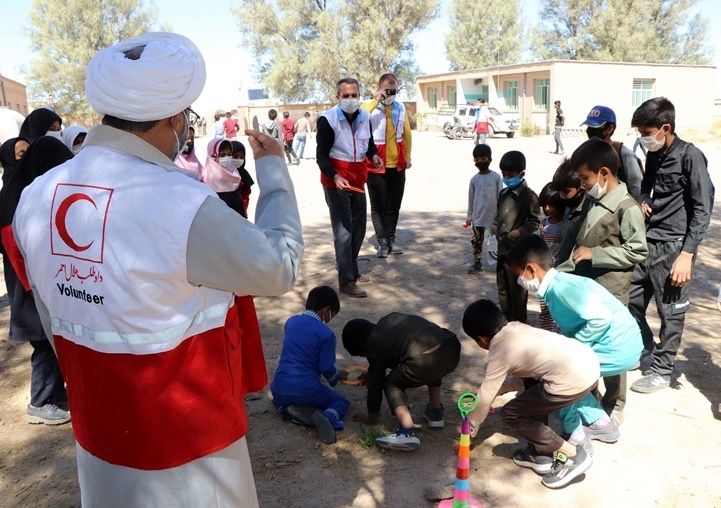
(585, 310)
(309, 352)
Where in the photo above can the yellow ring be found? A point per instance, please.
(354, 368)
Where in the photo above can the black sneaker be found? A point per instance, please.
(565, 469)
(326, 432)
(434, 417)
(300, 415)
(650, 382)
(475, 268)
(529, 457)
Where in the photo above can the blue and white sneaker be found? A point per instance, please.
(402, 439)
(334, 419)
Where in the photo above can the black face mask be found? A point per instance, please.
(483, 166)
(576, 200)
(594, 132)
(188, 147)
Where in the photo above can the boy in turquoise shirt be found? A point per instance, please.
(585, 310)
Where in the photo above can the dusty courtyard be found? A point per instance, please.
(669, 453)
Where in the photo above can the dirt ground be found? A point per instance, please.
(669, 454)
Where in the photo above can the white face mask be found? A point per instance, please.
(55, 134)
(225, 161)
(389, 100)
(652, 143)
(238, 162)
(532, 286)
(76, 149)
(597, 192)
(180, 142)
(349, 105)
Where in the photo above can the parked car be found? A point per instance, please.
(459, 124)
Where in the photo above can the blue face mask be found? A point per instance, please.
(513, 182)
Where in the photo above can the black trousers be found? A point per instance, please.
(348, 221)
(614, 398)
(46, 381)
(512, 297)
(288, 146)
(423, 370)
(386, 194)
(651, 280)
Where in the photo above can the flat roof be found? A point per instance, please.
(548, 63)
(3, 78)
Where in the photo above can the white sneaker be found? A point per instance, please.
(402, 439)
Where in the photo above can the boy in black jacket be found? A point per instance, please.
(676, 198)
(519, 214)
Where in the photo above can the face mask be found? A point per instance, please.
(575, 200)
(55, 134)
(532, 286)
(76, 149)
(513, 181)
(483, 166)
(180, 141)
(389, 100)
(238, 162)
(349, 105)
(597, 192)
(188, 147)
(652, 143)
(226, 161)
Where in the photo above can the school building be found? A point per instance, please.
(528, 90)
(13, 95)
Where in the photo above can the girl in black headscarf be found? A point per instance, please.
(47, 387)
(41, 122)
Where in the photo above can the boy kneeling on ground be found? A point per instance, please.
(418, 353)
(309, 352)
(561, 372)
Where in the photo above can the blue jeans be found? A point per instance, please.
(299, 145)
(320, 397)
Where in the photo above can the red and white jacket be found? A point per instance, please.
(379, 120)
(348, 154)
(118, 249)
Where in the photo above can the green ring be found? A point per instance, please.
(465, 408)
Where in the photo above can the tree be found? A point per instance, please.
(303, 47)
(483, 40)
(66, 34)
(659, 31)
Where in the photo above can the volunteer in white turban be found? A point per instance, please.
(136, 277)
(73, 137)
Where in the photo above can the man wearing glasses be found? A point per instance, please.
(344, 145)
(392, 136)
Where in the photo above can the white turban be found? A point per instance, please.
(166, 78)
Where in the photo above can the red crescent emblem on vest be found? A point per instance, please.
(61, 215)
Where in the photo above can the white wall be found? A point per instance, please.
(581, 85)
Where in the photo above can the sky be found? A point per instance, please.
(214, 29)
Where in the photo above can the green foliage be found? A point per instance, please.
(529, 128)
(485, 36)
(65, 34)
(659, 31)
(304, 47)
(367, 435)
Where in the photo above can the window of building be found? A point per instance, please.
(433, 98)
(540, 93)
(642, 91)
(484, 92)
(452, 97)
(510, 94)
